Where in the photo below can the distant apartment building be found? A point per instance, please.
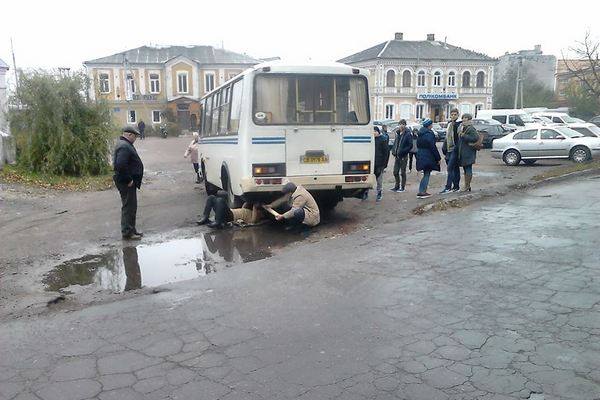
(143, 83)
(565, 77)
(425, 78)
(534, 62)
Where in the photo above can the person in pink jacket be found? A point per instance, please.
(192, 152)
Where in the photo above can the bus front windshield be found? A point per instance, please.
(304, 99)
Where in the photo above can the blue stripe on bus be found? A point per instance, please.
(268, 140)
(357, 141)
(219, 142)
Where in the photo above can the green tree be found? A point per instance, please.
(535, 94)
(58, 130)
(582, 103)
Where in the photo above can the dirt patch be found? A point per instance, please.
(567, 169)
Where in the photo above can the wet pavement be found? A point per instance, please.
(498, 301)
(149, 265)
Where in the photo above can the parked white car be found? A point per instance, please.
(541, 142)
(559, 118)
(509, 118)
(586, 129)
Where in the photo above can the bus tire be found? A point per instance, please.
(209, 187)
(234, 201)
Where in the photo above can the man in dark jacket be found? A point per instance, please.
(142, 129)
(467, 154)
(451, 151)
(382, 157)
(402, 146)
(129, 172)
(428, 157)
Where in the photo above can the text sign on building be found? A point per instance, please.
(437, 96)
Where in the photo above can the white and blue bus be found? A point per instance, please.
(279, 122)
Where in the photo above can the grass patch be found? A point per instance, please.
(16, 174)
(567, 169)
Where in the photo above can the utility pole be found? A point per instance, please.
(518, 82)
(12, 49)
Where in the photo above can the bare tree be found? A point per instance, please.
(585, 66)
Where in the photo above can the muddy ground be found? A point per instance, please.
(48, 235)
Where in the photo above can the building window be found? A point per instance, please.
(406, 79)
(130, 83)
(104, 83)
(389, 111)
(437, 78)
(390, 78)
(156, 117)
(452, 79)
(477, 108)
(421, 79)
(131, 117)
(209, 81)
(465, 108)
(420, 111)
(466, 79)
(154, 83)
(182, 82)
(405, 110)
(480, 82)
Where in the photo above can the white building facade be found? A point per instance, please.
(3, 96)
(414, 80)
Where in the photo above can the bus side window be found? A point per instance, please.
(214, 129)
(208, 116)
(235, 106)
(224, 110)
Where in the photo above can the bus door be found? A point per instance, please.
(314, 151)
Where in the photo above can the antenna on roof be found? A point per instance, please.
(222, 44)
(445, 42)
(12, 50)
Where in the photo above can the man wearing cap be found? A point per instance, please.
(129, 172)
(301, 207)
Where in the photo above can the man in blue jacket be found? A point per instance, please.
(129, 171)
(402, 146)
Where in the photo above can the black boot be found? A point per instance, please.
(203, 221)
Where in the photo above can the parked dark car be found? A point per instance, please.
(491, 132)
(439, 131)
(595, 120)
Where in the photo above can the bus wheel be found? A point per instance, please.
(234, 201)
(327, 203)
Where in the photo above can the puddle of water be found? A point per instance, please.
(127, 268)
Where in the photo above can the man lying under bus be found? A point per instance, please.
(248, 214)
(298, 207)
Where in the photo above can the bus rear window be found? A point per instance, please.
(293, 99)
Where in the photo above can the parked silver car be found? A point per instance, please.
(534, 143)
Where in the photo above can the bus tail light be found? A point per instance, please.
(357, 167)
(268, 169)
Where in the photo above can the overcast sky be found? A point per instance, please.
(59, 33)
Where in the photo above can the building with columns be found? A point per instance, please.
(144, 83)
(425, 79)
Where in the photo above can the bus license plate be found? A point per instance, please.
(315, 159)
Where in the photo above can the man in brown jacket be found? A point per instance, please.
(301, 206)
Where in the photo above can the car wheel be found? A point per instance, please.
(580, 154)
(529, 162)
(511, 157)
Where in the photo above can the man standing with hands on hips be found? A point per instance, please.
(129, 172)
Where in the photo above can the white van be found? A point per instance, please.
(509, 118)
(559, 118)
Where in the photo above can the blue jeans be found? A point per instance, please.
(424, 181)
(453, 180)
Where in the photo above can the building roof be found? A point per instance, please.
(417, 49)
(159, 55)
(3, 65)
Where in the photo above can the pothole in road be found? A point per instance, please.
(149, 265)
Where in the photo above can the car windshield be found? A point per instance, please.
(310, 99)
(526, 118)
(568, 132)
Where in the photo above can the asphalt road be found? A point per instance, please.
(41, 229)
(499, 300)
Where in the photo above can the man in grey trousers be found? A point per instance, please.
(129, 171)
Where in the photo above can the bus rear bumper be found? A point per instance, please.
(312, 183)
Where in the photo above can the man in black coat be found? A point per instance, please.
(402, 146)
(129, 172)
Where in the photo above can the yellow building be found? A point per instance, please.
(143, 84)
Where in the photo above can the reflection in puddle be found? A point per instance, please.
(150, 265)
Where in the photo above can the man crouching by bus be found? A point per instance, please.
(299, 205)
(249, 213)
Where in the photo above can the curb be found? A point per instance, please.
(468, 199)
